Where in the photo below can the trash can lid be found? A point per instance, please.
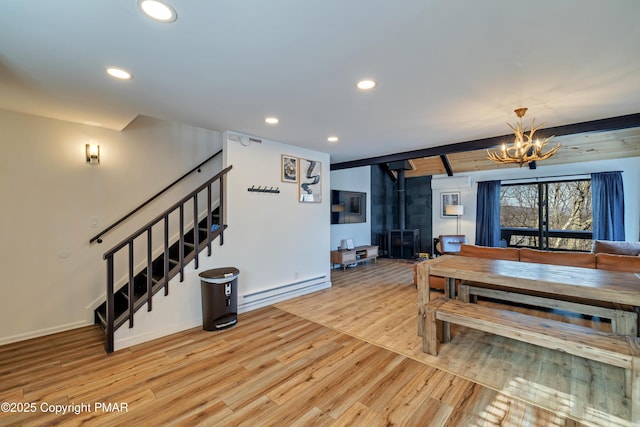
(228, 273)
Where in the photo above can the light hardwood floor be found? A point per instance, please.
(346, 356)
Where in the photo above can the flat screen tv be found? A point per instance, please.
(348, 207)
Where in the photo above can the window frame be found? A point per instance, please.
(543, 233)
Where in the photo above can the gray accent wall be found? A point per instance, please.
(384, 206)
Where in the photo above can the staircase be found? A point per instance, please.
(140, 286)
(121, 296)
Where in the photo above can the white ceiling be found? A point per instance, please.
(447, 70)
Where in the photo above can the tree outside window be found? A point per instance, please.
(549, 215)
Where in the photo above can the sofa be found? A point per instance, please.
(606, 255)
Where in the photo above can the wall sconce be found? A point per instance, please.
(93, 153)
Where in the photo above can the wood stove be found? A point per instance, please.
(403, 243)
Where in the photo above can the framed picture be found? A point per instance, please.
(310, 180)
(448, 199)
(289, 169)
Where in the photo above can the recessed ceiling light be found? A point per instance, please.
(119, 73)
(366, 84)
(272, 120)
(158, 10)
(332, 139)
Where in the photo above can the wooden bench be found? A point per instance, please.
(615, 350)
(624, 321)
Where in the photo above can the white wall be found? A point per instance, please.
(280, 246)
(631, 178)
(274, 239)
(356, 179)
(52, 278)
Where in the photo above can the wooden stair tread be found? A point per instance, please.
(144, 273)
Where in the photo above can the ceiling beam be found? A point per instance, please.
(388, 171)
(601, 125)
(447, 165)
(404, 165)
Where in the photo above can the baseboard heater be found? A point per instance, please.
(265, 297)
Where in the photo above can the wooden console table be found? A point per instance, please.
(354, 256)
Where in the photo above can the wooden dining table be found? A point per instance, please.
(556, 281)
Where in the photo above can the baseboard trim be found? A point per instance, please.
(261, 299)
(43, 332)
(122, 343)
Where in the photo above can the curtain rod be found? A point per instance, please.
(585, 175)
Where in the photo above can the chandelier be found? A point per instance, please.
(524, 149)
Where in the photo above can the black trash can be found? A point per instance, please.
(219, 298)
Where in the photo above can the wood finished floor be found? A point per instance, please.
(346, 356)
(377, 303)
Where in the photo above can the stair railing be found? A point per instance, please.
(128, 245)
(98, 237)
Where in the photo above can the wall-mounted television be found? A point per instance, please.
(348, 207)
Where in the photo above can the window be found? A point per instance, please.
(547, 215)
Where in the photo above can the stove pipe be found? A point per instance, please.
(401, 200)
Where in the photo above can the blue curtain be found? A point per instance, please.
(488, 214)
(607, 195)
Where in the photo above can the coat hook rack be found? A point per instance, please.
(259, 189)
